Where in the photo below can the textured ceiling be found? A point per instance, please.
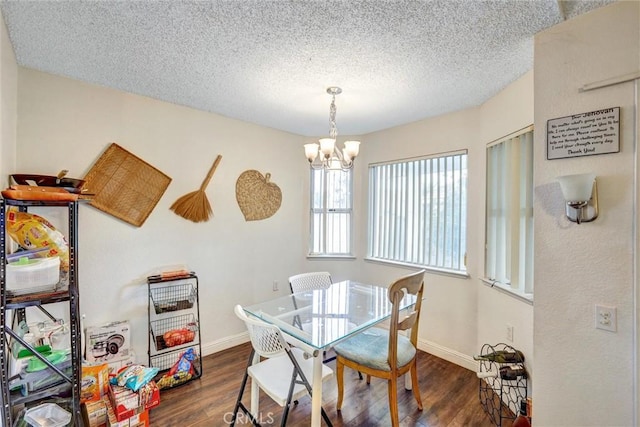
(269, 62)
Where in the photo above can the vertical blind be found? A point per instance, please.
(418, 211)
(509, 227)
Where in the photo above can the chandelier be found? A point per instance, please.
(326, 155)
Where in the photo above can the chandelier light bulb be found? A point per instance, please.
(352, 148)
(327, 146)
(311, 151)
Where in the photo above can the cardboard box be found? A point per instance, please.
(108, 343)
(94, 414)
(115, 366)
(141, 419)
(149, 395)
(95, 382)
(127, 403)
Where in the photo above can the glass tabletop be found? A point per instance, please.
(322, 317)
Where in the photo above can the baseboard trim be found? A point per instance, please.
(424, 345)
(448, 354)
(225, 343)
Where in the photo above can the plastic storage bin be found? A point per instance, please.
(47, 415)
(33, 275)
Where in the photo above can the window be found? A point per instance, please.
(418, 211)
(509, 217)
(331, 212)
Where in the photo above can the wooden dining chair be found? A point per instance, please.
(284, 373)
(383, 353)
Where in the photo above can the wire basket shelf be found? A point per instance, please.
(164, 362)
(173, 297)
(502, 383)
(174, 331)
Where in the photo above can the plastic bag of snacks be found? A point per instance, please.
(182, 371)
(134, 376)
(31, 231)
(178, 336)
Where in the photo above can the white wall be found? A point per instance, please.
(584, 376)
(66, 124)
(507, 112)
(8, 102)
(448, 320)
(459, 314)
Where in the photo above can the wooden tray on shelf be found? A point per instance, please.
(31, 192)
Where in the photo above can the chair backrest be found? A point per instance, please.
(410, 284)
(308, 281)
(267, 339)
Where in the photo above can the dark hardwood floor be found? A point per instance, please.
(449, 397)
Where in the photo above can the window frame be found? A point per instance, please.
(324, 211)
(523, 291)
(420, 215)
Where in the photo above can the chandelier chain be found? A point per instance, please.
(333, 130)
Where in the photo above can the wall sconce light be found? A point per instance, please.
(581, 193)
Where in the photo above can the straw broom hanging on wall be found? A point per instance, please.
(195, 206)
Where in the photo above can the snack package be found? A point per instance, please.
(178, 337)
(31, 231)
(134, 376)
(95, 382)
(181, 371)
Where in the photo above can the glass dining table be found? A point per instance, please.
(315, 320)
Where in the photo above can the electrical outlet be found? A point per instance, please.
(509, 332)
(606, 318)
(275, 285)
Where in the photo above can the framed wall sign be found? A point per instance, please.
(586, 134)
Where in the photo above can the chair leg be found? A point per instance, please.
(239, 400)
(326, 417)
(292, 384)
(393, 401)
(339, 380)
(368, 379)
(297, 372)
(239, 404)
(414, 384)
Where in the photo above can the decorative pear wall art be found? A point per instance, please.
(257, 197)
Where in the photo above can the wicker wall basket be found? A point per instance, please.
(257, 197)
(124, 185)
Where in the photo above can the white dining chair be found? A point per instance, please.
(306, 282)
(281, 371)
(309, 281)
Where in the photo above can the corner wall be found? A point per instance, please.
(459, 314)
(8, 105)
(505, 113)
(67, 124)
